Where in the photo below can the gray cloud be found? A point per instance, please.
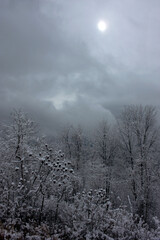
(57, 65)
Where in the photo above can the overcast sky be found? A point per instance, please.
(56, 64)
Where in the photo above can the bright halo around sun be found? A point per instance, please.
(102, 26)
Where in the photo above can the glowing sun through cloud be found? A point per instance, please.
(102, 26)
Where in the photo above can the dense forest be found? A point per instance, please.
(81, 185)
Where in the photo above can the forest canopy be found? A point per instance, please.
(103, 185)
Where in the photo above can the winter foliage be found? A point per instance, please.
(97, 187)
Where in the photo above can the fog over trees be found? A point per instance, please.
(102, 185)
(79, 120)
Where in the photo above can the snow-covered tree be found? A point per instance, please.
(139, 134)
(106, 146)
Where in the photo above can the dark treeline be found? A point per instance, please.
(105, 185)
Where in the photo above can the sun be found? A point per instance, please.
(102, 26)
